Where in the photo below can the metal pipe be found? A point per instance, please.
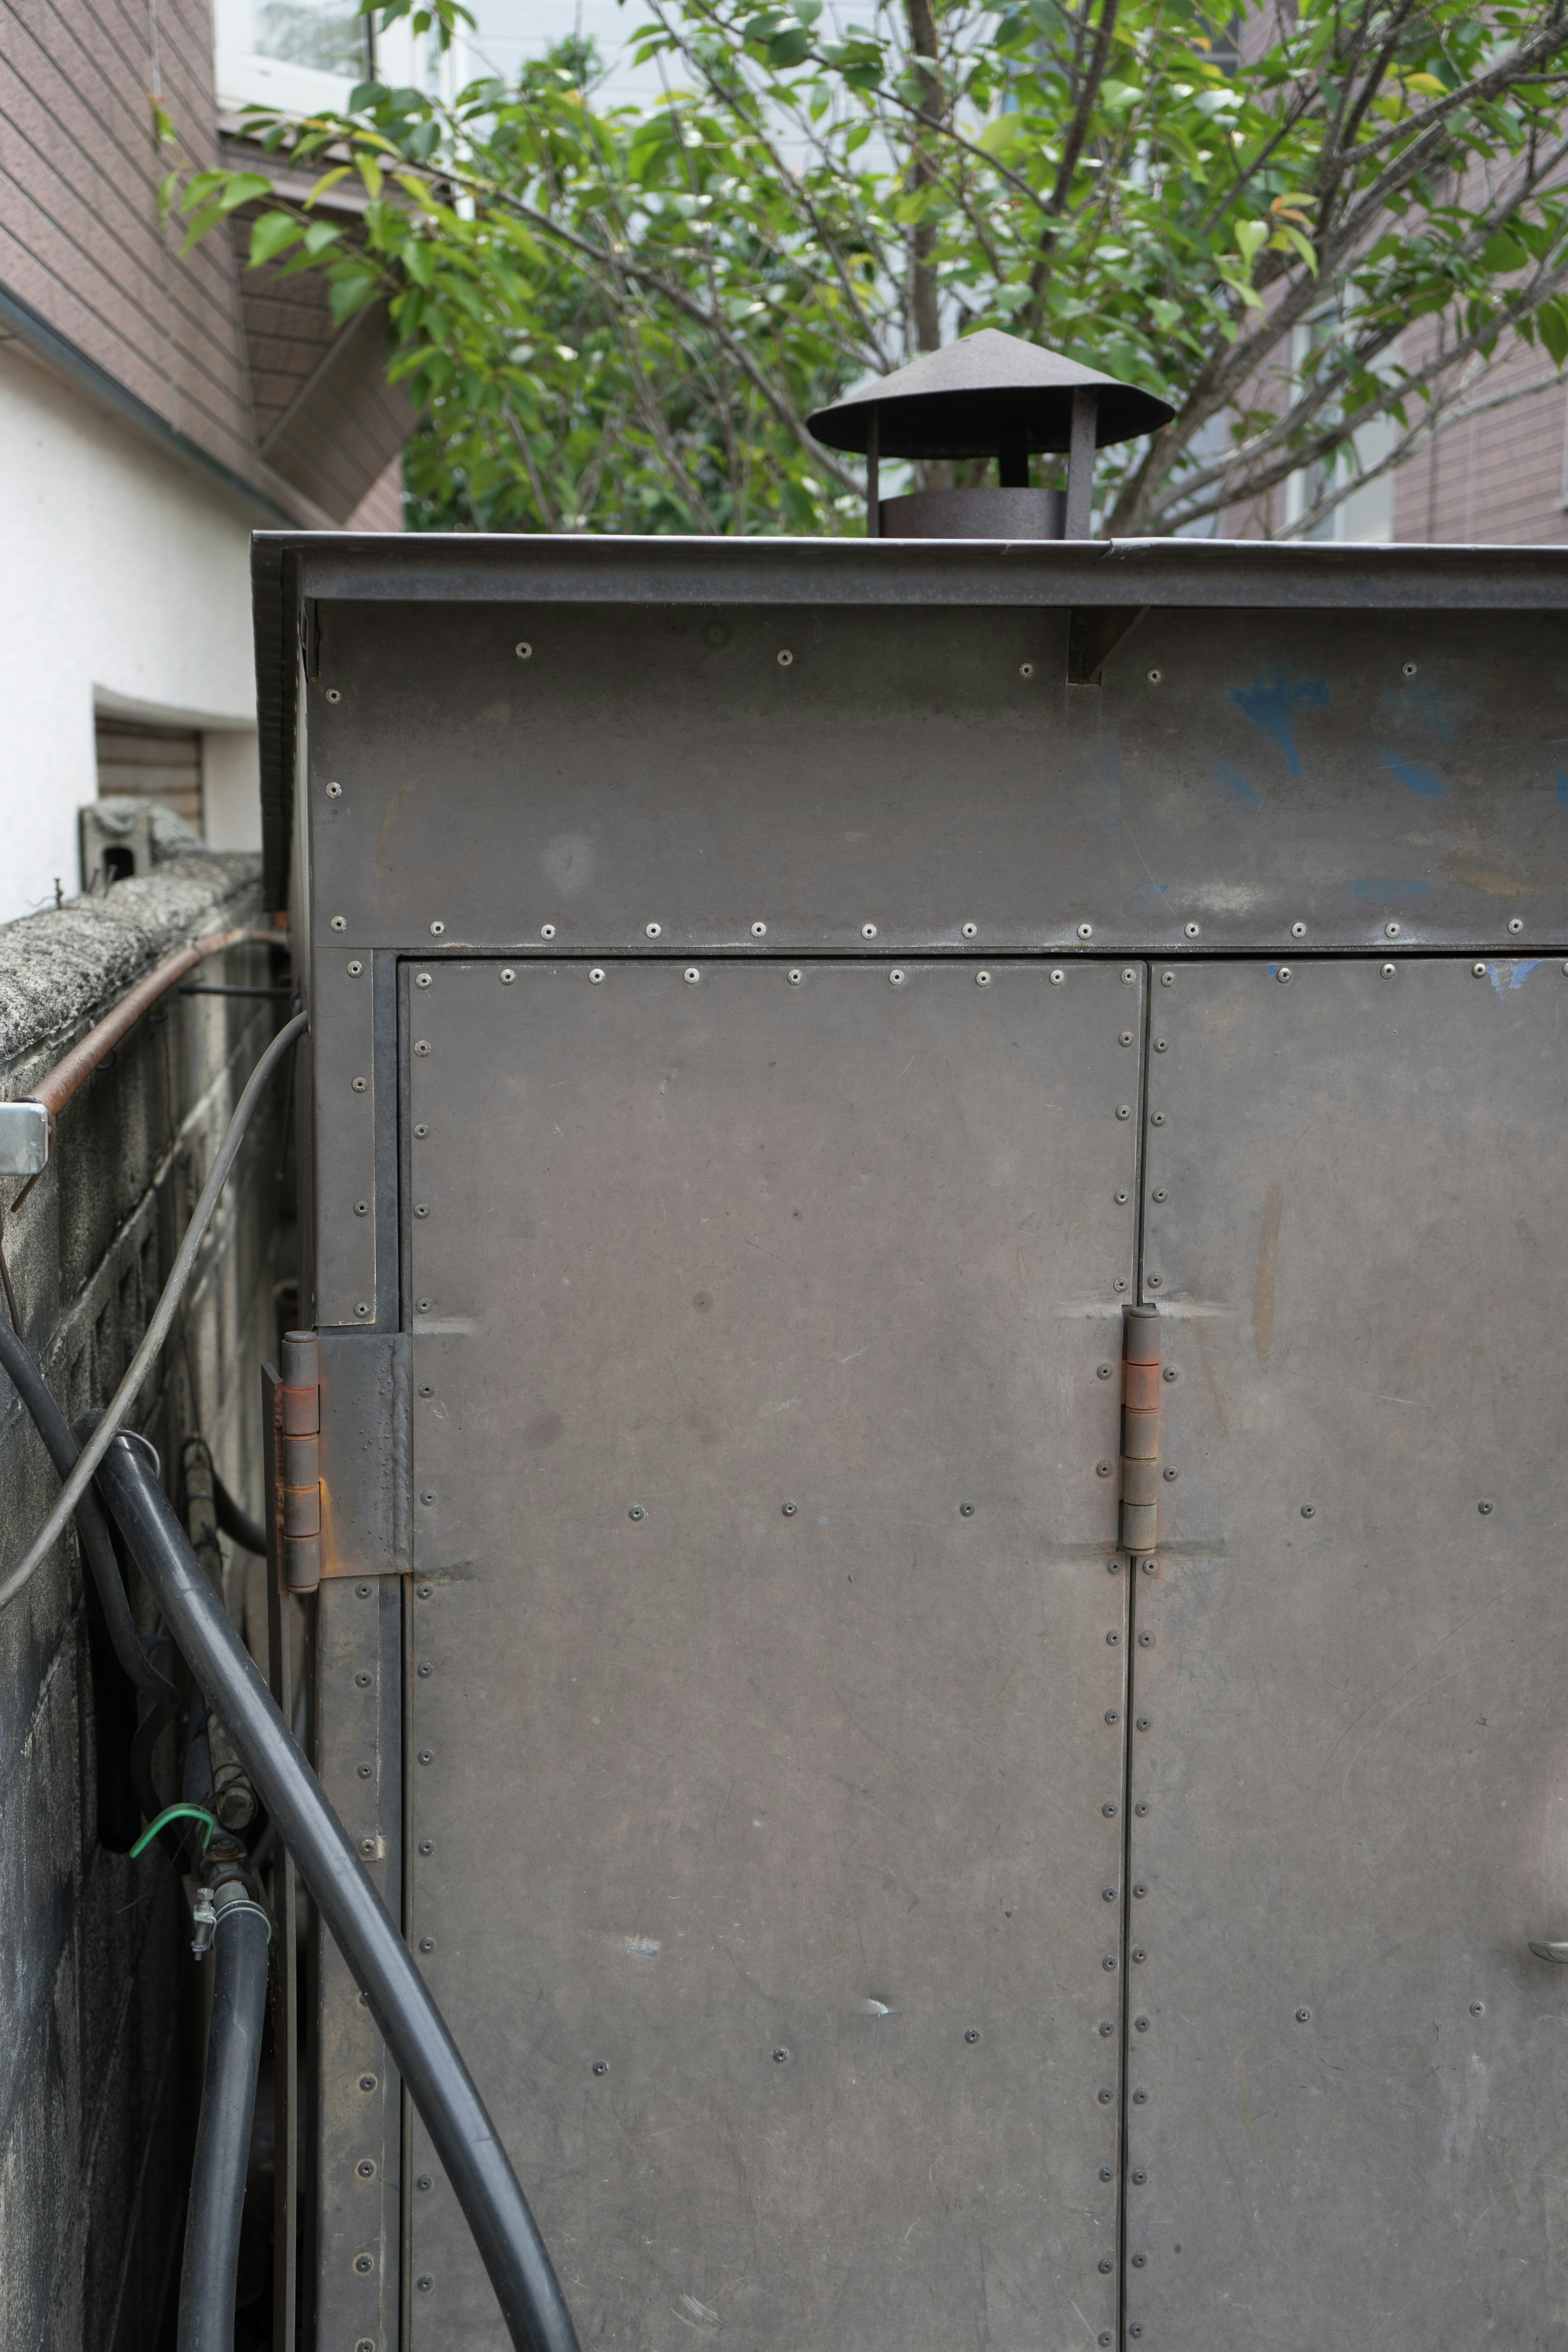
(1080, 462)
(416, 2034)
(238, 1525)
(210, 2273)
(72, 1071)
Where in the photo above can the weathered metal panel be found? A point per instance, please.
(1348, 2076)
(765, 1830)
(364, 1453)
(1257, 778)
(342, 1076)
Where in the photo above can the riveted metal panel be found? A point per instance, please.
(362, 1452)
(343, 1077)
(1347, 2073)
(766, 1726)
(1231, 777)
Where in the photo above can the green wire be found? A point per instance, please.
(176, 1814)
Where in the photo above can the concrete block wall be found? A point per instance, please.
(97, 2070)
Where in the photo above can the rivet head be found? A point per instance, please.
(1388, 972)
(363, 1591)
(427, 1845)
(1140, 1811)
(1139, 1891)
(364, 2262)
(1102, 1469)
(971, 930)
(1120, 1200)
(788, 1509)
(1161, 1045)
(759, 930)
(1484, 1508)
(1167, 980)
(1086, 930)
(422, 1044)
(428, 1495)
(421, 1208)
(1283, 975)
(524, 652)
(1170, 1373)
(1170, 1474)
(983, 979)
(1108, 1963)
(1105, 2263)
(364, 1771)
(601, 2065)
(1113, 1638)
(1146, 1641)
(365, 2167)
(785, 658)
(426, 1592)
(422, 1130)
(596, 974)
(795, 978)
(966, 1510)
(426, 1943)
(426, 1754)
(1309, 1510)
(1157, 1119)
(1158, 1194)
(507, 976)
(1123, 1111)
(1106, 2173)
(1154, 1281)
(1104, 2097)
(1142, 1723)
(1112, 1715)
(340, 922)
(424, 2284)
(1140, 2177)
(1135, 2329)
(426, 1670)
(354, 967)
(1140, 2098)
(364, 1307)
(1139, 2260)
(972, 2034)
(367, 2083)
(363, 1680)
(1107, 2030)
(868, 931)
(653, 931)
(1391, 930)
(334, 792)
(1303, 2016)
(1407, 669)
(547, 930)
(897, 978)
(361, 1208)
(1298, 930)
(360, 1086)
(1058, 978)
(1478, 2009)
(1154, 676)
(691, 975)
(436, 929)
(635, 1512)
(1128, 977)
(1127, 1036)
(1191, 930)
(1479, 971)
(1119, 1283)
(421, 1304)
(1106, 1894)
(1109, 1810)
(1026, 669)
(424, 2181)
(1102, 1371)
(367, 1848)
(333, 695)
(781, 2057)
(422, 980)
(1516, 925)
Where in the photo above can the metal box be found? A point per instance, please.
(940, 1809)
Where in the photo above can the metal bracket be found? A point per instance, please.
(299, 1504)
(203, 1918)
(1140, 1428)
(1094, 631)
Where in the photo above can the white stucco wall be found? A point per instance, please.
(125, 586)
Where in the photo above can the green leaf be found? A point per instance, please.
(271, 235)
(1551, 320)
(1250, 237)
(1503, 254)
(350, 292)
(788, 48)
(1004, 134)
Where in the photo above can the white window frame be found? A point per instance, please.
(247, 77)
(1366, 518)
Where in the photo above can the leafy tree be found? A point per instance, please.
(619, 318)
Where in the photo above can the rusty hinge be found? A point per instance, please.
(1140, 1428)
(296, 1406)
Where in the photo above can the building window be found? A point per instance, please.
(329, 35)
(303, 57)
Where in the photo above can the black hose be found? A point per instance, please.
(211, 2268)
(62, 1446)
(412, 2026)
(247, 1533)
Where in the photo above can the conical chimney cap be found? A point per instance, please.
(962, 401)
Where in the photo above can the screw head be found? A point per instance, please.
(966, 1510)
(653, 931)
(1303, 2016)
(1086, 930)
(786, 657)
(759, 930)
(524, 651)
(781, 2057)
(340, 922)
(971, 930)
(983, 979)
(635, 1512)
(601, 2065)
(1298, 930)
(972, 2034)
(788, 1509)
(1484, 1508)
(547, 930)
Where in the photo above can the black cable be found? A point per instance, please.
(211, 2266)
(91, 1530)
(247, 1533)
(415, 2033)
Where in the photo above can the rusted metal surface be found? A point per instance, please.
(366, 1501)
(1348, 1780)
(768, 1670)
(1140, 1429)
(298, 1462)
(74, 1069)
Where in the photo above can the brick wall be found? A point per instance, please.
(97, 2086)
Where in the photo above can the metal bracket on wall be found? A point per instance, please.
(1140, 1428)
(298, 1504)
(1094, 631)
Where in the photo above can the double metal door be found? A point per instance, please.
(883, 1913)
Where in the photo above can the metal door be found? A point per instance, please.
(1349, 1739)
(765, 1830)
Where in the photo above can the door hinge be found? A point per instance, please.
(298, 1504)
(1140, 1428)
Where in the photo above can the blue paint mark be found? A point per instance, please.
(1236, 778)
(1418, 779)
(1269, 701)
(1506, 977)
(1380, 886)
(1562, 785)
(1428, 706)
